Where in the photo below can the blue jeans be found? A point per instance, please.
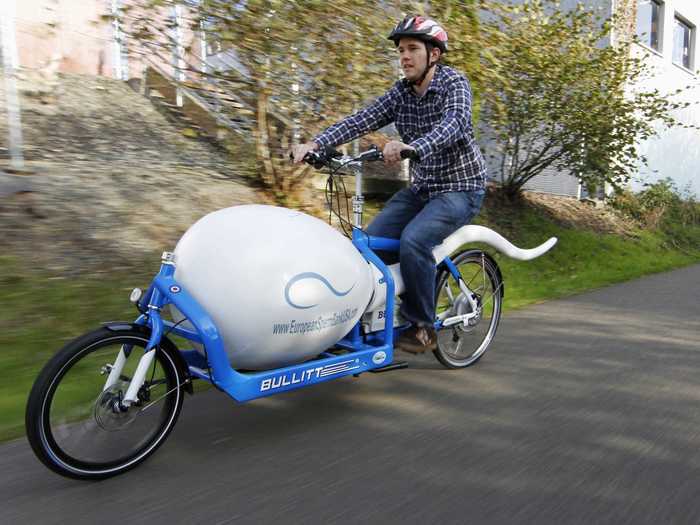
(422, 223)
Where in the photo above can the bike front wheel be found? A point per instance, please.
(79, 429)
(463, 344)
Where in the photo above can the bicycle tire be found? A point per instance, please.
(93, 423)
(490, 297)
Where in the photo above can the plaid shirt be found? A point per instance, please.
(438, 125)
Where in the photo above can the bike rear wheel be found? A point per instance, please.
(459, 346)
(74, 424)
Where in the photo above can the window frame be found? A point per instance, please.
(692, 28)
(661, 5)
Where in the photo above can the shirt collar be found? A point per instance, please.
(436, 83)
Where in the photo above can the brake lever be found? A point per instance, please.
(371, 155)
(316, 160)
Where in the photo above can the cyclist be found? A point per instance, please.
(431, 108)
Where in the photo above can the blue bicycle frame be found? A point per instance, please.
(372, 351)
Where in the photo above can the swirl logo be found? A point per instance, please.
(314, 276)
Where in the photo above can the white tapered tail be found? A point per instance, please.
(465, 235)
(473, 233)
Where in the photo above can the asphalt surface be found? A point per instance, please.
(584, 410)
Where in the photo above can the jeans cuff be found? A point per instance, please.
(413, 319)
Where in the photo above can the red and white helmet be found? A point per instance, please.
(425, 29)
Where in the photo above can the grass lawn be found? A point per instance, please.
(41, 313)
(581, 260)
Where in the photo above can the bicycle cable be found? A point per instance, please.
(346, 223)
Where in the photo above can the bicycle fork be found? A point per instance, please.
(146, 361)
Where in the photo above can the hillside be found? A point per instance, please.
(116, 183)
(114, 179)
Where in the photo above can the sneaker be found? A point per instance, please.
(417, 339)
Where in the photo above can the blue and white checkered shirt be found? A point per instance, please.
(438, 125)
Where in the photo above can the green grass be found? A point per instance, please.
(581, 260)
(41, 313)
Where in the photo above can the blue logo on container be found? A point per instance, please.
(311, 275)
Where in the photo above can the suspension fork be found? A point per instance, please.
(154, 320)
(156, 323)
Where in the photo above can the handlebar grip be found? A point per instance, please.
(409, 154)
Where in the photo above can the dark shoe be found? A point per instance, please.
(417, 340)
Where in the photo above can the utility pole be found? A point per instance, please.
(10, 62)
(179, 55)
(120, 56)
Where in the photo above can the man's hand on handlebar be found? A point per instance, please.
(393, 149)
(320, 157)
(300, 150)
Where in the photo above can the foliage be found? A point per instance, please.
(556, 95)
(307, 63)
(661, 206)
(627, 204)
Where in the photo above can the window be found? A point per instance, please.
(649, 23)
(682, 42)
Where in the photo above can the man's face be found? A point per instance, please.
(413, 57)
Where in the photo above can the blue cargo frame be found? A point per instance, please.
(375, 350)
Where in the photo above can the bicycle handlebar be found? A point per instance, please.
(327, 156)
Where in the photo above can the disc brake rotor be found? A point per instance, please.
(109, 414)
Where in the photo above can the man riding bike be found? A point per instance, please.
(431, 108)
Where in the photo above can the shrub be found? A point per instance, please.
(627, 204)
(661, 207)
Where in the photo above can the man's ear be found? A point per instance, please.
(435, 54)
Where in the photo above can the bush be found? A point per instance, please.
(662, 207)
(627, 204)
(657, 201)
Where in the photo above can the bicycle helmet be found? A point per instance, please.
(422, 28)
(426, 30)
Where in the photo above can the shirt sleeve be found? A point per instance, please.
(455, 122)
(378, 114)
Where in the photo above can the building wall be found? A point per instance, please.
(554, 182)
(73, 36)
(674, 153)
(65, 35)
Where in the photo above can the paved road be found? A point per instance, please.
(584, 410)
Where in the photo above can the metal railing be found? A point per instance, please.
(216, 92)
(211, 103)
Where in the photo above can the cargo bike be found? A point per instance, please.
(267, 300)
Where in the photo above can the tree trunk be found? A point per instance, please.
(262, 142)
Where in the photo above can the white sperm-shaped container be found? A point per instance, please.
(281, 286)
